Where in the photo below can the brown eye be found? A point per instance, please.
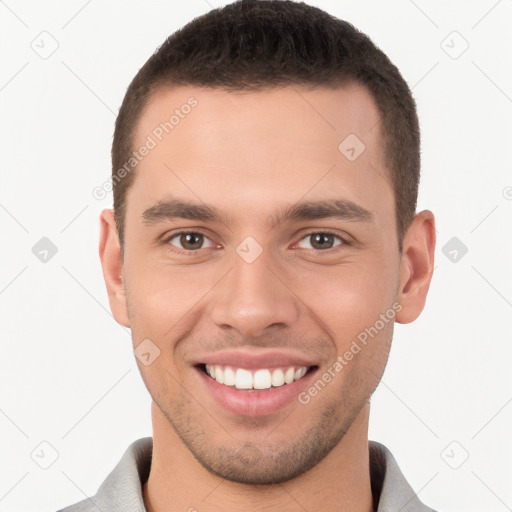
(320, 241)
(189, 241)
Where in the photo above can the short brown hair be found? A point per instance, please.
(256, 45)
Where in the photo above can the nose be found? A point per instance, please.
(254, 298)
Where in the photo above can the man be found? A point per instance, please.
(262, 244)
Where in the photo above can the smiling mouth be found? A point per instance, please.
(258, 379)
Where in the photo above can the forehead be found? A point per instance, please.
(275, 144)
(343, 110)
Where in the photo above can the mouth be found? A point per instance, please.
(255, 379)
(255, 390)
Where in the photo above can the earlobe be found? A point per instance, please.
(112, 264)
(416, 266)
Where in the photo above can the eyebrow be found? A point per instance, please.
(178, 209)
(342, 209)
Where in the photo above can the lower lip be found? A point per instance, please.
(256, 402)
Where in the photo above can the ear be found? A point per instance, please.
(112, 264)
(416, 266)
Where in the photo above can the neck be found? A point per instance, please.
(178, 482)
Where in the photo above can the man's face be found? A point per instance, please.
(258, 290)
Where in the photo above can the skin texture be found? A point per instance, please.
(250, 155)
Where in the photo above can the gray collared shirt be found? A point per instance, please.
(122, 489)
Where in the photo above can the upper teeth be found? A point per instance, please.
(257, 379)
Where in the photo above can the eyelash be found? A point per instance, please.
(343, 241)
(167, 239)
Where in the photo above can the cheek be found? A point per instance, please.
(350, 297)
(164, 300)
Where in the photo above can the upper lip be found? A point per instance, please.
(254, 360)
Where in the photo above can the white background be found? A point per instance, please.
(68, 375)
